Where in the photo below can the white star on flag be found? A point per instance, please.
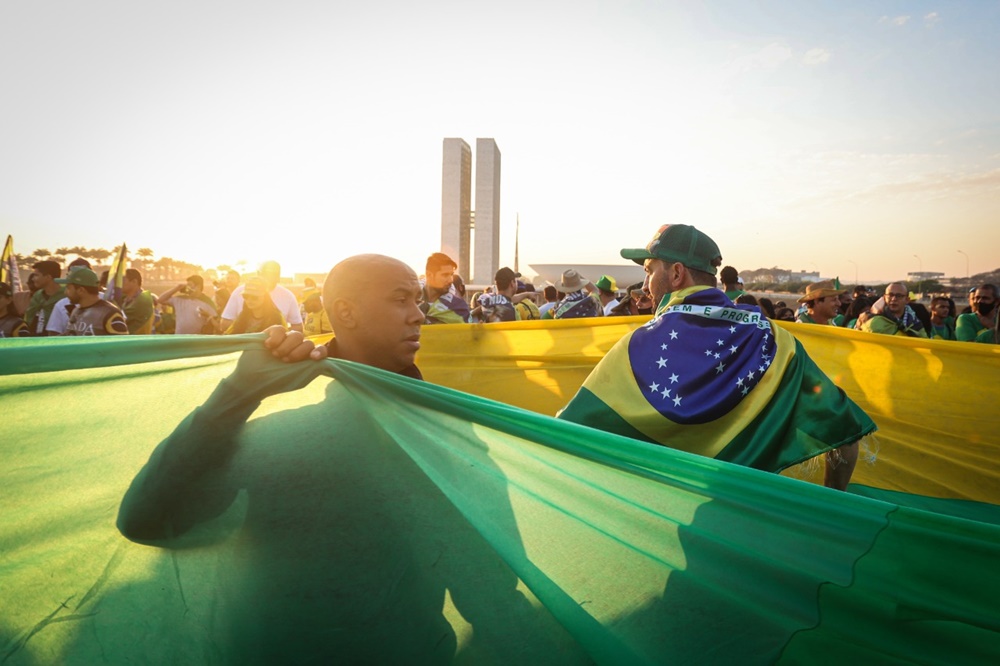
(654, 387)
(673, 335)
(674, 378)
(663, 346)
(732, 329)
(719, 368)
(661, 362)
(733, 349)
(677, 401)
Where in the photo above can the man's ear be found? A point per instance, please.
(679, 272)
(343, 312)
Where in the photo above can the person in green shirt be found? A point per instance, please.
(137, 304)
(730, 280)
(44, 274)
(980, 325)
(891, 315)
(942, 323)
(822, 301)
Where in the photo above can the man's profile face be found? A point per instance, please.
(42, 280)
(658, 282)
(73, 293)
(389, 317)
(895, 299)
(441, 279)
(193, 287)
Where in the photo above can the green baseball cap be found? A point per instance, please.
(607, 283)
(81, 277)
(681, 243)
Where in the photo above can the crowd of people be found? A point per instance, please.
(81, 303)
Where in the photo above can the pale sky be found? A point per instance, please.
(850, 137)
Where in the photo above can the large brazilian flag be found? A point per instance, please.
(717, 379)
(371, 518)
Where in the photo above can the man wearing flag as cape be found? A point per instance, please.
(714, 378)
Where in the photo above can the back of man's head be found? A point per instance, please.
(79, 261)
(729, 275)
(197, 280)
(551, 295)
(504, 278)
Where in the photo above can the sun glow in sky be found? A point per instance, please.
(849, 137)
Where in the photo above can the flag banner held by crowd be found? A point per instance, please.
(116, 275)
(9, 272)
(936, 443)
(468, 528)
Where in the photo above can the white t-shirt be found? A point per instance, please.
(59, 320)
(191, 313)
(283, 299)
(610, 306)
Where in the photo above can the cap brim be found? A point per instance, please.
(638, 255)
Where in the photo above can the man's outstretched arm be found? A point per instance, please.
(183, 483)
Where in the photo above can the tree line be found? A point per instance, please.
(163, 269)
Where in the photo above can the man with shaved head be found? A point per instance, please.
(374, 306)
(348, 549)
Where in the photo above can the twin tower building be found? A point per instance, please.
(461, 223)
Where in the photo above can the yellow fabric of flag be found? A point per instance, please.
(933, 400)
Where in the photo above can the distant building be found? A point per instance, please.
(806, 276)
(624, 274)
(456, 203)
(775, 275)
(459, 221)
(487, 219)
(921, 276)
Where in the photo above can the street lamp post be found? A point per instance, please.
(855, 273)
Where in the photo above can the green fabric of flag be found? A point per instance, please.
(361, 516)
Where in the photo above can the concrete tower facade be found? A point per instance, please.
(487, 225)
(457, 216)
(456, 203)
